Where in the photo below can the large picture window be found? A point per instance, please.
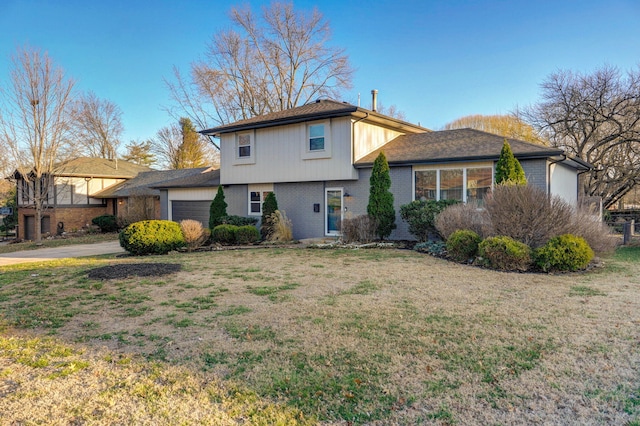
(467, 184)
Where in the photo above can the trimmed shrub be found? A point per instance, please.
(420, 215)
(239, 220)
(508, 169)
(106, 223)
(504, 253)
(280, 227)
(361, 229)
(218, 209)
(462, 245)
(462, 216)
(194, 233)
(434, 248)
(564, 253)
(152, 237)
(247, 234)
(224, 234)
(380, 206)
(269, 207)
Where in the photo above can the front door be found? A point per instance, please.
(333, 203)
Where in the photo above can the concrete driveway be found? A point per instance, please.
(77, 250)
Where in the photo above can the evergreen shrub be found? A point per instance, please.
(380, 207)
(152, 237)
(420, 215)
(269, 207)
(106, 223)
(247, 234)
(218, 209)
(564, 253)
(224, 234)
(462, 245)
(504, 253)
(238, 220)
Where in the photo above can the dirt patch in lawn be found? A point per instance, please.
(127, 270)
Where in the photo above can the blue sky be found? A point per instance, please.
(434, 60)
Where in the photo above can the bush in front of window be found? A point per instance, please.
(152, 237)
(106, 223)
(462, 216)
(420, 215)
(564, 253)
(247, 234)
(239, 220)
(269, 207)
(218, 209)
(462, 245)
(504, 253)
(508, 169)
(224, 234)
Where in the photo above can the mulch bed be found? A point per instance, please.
(134, 270)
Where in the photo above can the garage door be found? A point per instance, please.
(196, 210)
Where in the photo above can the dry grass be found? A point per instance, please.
(58, 242)
(368, 336)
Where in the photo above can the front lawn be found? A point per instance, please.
(286, 336)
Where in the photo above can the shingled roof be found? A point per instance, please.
(454, 146)
(320, 109)
(146, 183)
(98, 168)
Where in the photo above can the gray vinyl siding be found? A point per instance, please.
(236, 198)
(164, 204)
(536, 173)
(297, 200)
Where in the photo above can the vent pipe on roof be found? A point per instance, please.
(374, 100)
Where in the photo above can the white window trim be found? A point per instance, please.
(438, 168)
(261, 188)
(307, 153)
(251, 159)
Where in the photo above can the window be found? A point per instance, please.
(470, 184)
(316, 137)
(257, 194)
(244, 145)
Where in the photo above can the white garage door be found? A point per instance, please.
(196, 210)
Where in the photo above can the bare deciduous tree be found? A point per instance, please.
(272, 62)
(34, 121)
(595, 117)
(179, 146)
(509, 126)
(97, 126)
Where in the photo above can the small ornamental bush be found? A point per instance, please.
(462, 245)
(434, 248)
(152, 237)
(504, 253)
(359, 229)
(281, 228)
(462, 216)
(224, 234)
(106, 223)
(194, 233)
(238, 220)
(564, 253)
(421, 215)
(247, 234)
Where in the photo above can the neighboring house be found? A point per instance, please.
(317, 159)
(71, 194)
(140, 199)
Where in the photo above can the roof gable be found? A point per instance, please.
(454, 146)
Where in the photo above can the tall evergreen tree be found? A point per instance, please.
(269, 207)
(380, 206)
(218, 209)
(508, 168)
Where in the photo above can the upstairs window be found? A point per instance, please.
(244, 145)
(316, 137)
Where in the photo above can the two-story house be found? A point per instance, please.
(317, 159)
(70, 193)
